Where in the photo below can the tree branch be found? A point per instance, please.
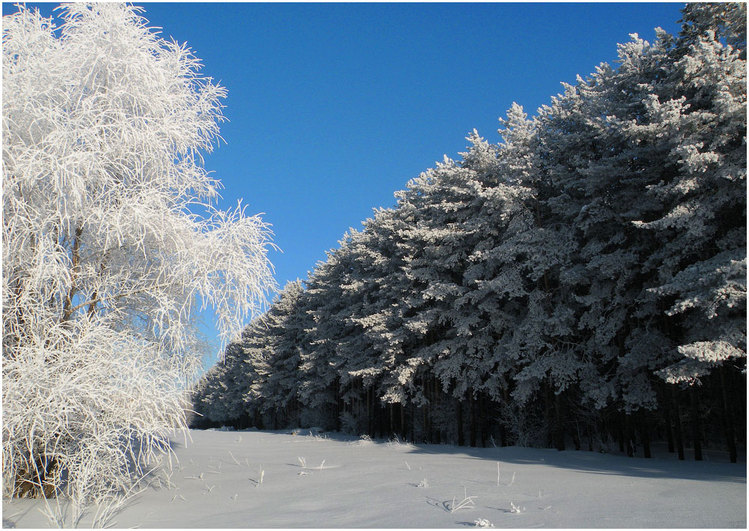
(97, 300)
(66, 311)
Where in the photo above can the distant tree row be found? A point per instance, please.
(582, 282)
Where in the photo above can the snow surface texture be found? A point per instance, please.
(307, 479)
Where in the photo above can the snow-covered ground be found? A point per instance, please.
(279, 479)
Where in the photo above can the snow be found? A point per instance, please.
(286, 479)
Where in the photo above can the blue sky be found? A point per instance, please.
(333, 107)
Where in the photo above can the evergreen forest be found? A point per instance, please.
(579, 284)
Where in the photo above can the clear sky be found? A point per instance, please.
(333, 107)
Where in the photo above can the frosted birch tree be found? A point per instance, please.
(111, 245)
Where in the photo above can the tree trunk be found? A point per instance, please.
(558, 423)
(727, 418)
(589, 433)
(645, 435)
(620, 432)
(435, 393)
(677, 426)
(576, 436)
(472, 420)
(426, 435)
(694, 413)
(483, 423)
(404, 426)
(75, 269)
(370, 414)
(459, 421)
(28, 482)
(548, 415)
(628, 436)
(380, 416)
(669, 427)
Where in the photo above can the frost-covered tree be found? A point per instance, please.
(376, 384)
(701, 228)
(648, 166)
(327, 310)
(596, 177)
(219, 396)
(449, 337)
(272, 355)
(256, 381)
(583, 280)
(518, 273)
(106, 257)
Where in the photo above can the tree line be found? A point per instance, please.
(580, 283)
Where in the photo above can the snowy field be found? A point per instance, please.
(279, 479)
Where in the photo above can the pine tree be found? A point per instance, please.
(584, 279)
(276, 367)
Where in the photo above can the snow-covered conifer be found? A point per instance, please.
(701, 229)
(273, 356)
(575, 281)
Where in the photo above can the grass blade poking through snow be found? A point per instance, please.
(466, 503)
